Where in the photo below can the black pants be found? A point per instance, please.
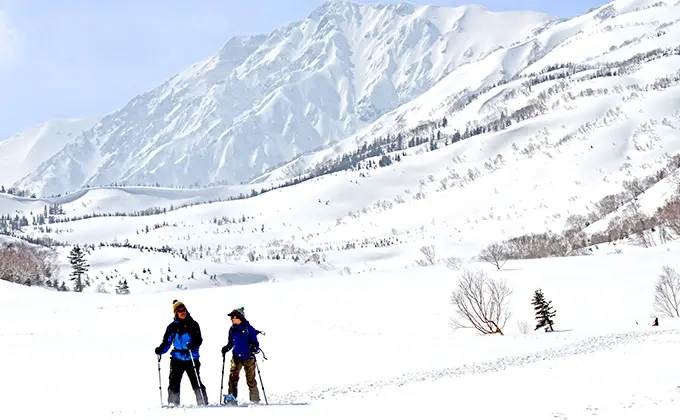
(177, 369)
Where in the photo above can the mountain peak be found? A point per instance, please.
(266, 98)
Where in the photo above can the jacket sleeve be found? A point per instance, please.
(254, 344)
(167, 340)
(196, 337)
(230, 341)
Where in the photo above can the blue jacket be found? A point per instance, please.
(243, 339)
(184, 336)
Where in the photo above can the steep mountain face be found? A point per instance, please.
(22, 154)
(602, 56)
(264, 99)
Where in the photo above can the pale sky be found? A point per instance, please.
(80, 58)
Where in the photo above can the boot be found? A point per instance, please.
(230, 400)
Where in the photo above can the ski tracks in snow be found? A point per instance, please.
(585, 346)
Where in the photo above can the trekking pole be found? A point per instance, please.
(160, 389)
(222, 383)
(198, 379)
(260, 376)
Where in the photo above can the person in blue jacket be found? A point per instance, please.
(184, 334)
(243, 341)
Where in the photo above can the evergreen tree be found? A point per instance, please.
(122, 288)
(79, 268)
(544, 311)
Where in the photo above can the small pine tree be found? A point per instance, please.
(79, 267)
(122, 288)
(544, 311)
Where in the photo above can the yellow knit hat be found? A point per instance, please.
(176, 304)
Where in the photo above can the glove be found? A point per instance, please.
(225, 350)
(254, 349)
(158, 351)
(191, 346)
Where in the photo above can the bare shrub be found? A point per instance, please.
(668, 217)
(545, 245)
(27, 264)
(523, 327)
(577, 222)
(634, 187)
(101, 288)
(453, 263)
(609, 204)
(495, 254)
(481, 303)
(667, 293)
(639, 224)
(430, 253)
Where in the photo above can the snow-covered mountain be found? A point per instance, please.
(534, 83)
(264, 99)
(23, 153)
(563, 166)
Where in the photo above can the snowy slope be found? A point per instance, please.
(599, 39)
(22, 154)
(355, 327)
(264, 99)
(124, 199)
(372, 345)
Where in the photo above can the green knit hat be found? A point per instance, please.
(238, 313)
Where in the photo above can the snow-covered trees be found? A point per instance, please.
(28, 264)
(481, 303)
(544, 311)
(79, 268)
(668, 217)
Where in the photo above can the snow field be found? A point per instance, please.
(358, 346)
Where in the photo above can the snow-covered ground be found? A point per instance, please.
(356, 327)
(360, 346)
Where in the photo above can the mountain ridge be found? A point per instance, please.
(264, 99)
(26, 151)
(564, 42)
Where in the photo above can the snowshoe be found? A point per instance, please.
(229, 400)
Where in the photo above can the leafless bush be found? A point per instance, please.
(101, 288)
(667, 293)
(27, 264)
(577, 222)
(430, 253)
(545, 245)
(481, 303)
(616, 229)
(523, 327)
(454, 263)
(639, 224)
(634, 187)
(675, 179)
(495, 254)
(609, 204)
(669, 217)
